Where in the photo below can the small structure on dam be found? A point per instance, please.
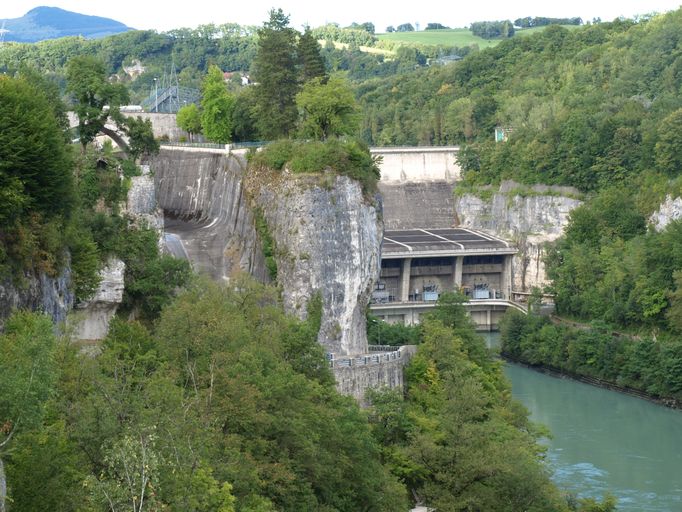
(417, 265)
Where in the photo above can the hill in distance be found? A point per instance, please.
(52, 22)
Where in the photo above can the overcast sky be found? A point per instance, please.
(190, 13)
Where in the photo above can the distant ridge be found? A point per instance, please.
(52, 22)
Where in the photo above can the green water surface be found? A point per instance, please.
(605, 441)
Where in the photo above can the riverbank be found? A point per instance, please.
(671, 403)
(645, 367)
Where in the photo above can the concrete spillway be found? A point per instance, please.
(413, 205)
(202, 196)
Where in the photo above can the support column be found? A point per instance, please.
(457, 275)
(489, 320)
(506, 283)
(405, 279)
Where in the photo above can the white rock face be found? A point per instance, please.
(670, 210)
(328, 242)
(530, 222)
(141, 203)
(101, 308)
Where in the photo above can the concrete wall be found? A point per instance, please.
(163, 125)
(418, 164)
(413, 205)
(355, 379)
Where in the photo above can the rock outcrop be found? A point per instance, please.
(141, 203)
(325, 235)
(670, 210)
(41, 292)
(92, 321)
(530, 220)
(328, 241)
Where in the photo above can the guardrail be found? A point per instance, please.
(365, 359)
(212, 145)
(381, 348)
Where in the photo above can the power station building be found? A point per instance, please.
(417, 265)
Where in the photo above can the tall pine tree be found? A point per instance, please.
(312, 64)
(275, 71)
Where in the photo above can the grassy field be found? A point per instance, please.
(453, 37)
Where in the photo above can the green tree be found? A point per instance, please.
(96, 101)
(312, 63)
(87, 82)
(217, 106)
(328, 109)
(189, 119)
(458, 442)
(35, 166)
(668, 156)
(275, 72)
(28, 376)
(141, 136)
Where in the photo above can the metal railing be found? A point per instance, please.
(365, 359)
(213, 145)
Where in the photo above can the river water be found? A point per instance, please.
(605, 441)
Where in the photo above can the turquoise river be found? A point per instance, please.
(605, 441)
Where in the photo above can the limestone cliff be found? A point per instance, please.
(670, 210)
(94, 315)
(328, 241)
(531, 219)
(38, 293)
(206, 213)
(141, 203)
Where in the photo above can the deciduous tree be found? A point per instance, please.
(189, 119)
(217, 106)
(327, 109)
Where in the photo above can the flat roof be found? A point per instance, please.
(441, 242)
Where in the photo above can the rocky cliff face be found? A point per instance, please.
(94, 315)
(670, 210)
(141, 203)
(328, 241)
(529, 220)
(38, 293)
(202, 197)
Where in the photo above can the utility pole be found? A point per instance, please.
(156, 95)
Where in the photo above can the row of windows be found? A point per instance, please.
(485, 259)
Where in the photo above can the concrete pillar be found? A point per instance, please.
(488, 320)
(506, 283)
(405, 279)
(457, 276)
